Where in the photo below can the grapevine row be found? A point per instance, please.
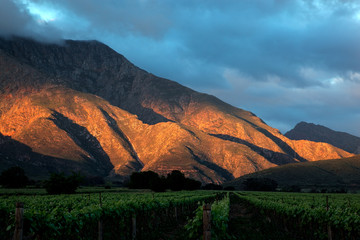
(78, 216)
(322, 215)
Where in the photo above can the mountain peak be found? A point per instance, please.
(319, 133)
(81, 102)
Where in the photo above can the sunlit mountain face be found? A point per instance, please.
(81, 106)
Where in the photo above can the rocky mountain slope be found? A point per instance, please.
(83, 103)
(318, 133)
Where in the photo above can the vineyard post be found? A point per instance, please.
(207, 222)
(100, 223)
(100, 198)
(176, 214)
(327, 203)
(19, 220)
(328, 226)
(133, 220)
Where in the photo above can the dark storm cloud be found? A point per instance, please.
(15, 19)
(259, 38)
(12, 20)
(284, 60)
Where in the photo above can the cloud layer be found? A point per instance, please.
(286, 61)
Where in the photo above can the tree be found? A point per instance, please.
(229, 188)
(158, 184)
(176, 180)
(212, 186)
(143, 180)
(260, 184)
(191, 184)
(14, 177)
(58, 183)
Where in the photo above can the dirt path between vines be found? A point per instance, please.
(247, 223)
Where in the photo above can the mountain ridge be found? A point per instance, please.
(82, 101)
(319, 133)
(331, 174)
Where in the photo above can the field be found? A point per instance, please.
(77, 216)
(309, 216)
(125, 214)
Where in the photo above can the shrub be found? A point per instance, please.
(260, 184)
(176, 180)
(143, 180)
(58, 183)
(14, 177)
(212, 186)
(191, 184)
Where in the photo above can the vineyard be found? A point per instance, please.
(309, 216)
(132, 215)
(147, 215)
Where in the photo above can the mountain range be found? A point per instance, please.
(318, 133)
(81, 106)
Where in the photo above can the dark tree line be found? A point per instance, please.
(58, 183)
(14, 177)
(174, 181)
(260, 184)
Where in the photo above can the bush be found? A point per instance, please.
(158, 184)
(92, 181)
(212, 186)
(292, 188)
(58, 183)
(14, 177)
(143, 180)
(260, 184)
(176, 180)
(191, 184)
(229, 188)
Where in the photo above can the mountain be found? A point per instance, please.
(318, 133)
(85, 104)
(335, 173)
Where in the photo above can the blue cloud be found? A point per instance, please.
(277, 46)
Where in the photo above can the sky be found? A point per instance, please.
(284, 60)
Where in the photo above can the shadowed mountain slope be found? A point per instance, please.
(83, 102)
(322, 174)
(318, 133)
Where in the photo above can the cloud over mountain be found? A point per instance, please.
(300, 56)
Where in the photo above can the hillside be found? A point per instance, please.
(84, 103)
(318, 133)
(327, 173)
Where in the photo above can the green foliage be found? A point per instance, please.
(13, 177)
(341, 212)
(194, 225)
(220, 218)
(76, 216)
(219, 221)
(59, 183)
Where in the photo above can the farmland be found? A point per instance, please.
(124, 214)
